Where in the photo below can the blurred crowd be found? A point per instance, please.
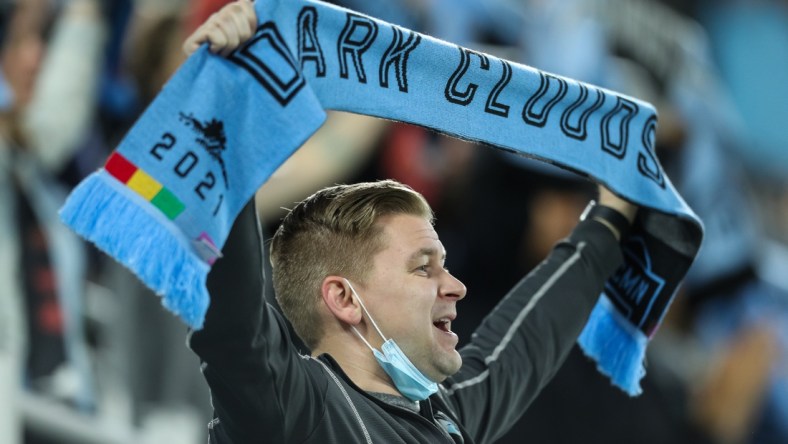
(87, 354)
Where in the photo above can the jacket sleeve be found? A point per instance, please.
(261, 389)
(521, 344)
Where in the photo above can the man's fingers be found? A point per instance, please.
(243, 25)
(232, 44)
(228, 24)
(225, 30)
(230, 39)
(195, 39)
(217, 39)
(608, 199)
(201, 35)
(189, 46)
(249, 14)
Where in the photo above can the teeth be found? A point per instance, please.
(443, 324)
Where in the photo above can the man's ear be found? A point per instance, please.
(340, 301)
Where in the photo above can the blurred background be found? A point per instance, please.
(87, 354)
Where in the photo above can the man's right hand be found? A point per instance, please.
(626, 208)
(225, 30)
(623, 207)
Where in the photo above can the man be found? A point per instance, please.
(359, 272)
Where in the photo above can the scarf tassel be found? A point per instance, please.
(103, 212)
(618, 348)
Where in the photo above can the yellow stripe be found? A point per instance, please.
(144, 185)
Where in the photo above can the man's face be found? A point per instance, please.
(413, 298)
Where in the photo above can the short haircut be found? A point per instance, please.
(333, 232)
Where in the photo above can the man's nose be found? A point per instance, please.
(451, 287)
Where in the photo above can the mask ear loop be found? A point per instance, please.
(367, 312)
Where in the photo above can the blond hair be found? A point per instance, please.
(333, 232)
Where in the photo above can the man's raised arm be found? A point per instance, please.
(525, 339)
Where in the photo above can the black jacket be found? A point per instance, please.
(264, 391)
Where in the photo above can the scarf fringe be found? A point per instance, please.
(142, 242)
(618, 348)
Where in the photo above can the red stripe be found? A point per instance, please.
(120, 167)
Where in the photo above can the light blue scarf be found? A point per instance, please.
(165, 201)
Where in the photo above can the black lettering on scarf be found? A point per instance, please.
(623, 112)
(635, 289)
(308, 45)
(355, 46)
(268, 60)
(493, 106)
(537, 118)
(167, 142)
(579, 131)
(452, 93)
(648, 165)
(632, 286)
(210, 136)
(397, 54)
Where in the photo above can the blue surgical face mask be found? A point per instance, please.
(411, 382)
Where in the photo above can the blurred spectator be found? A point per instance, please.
(749, 40)
(41, 262)
(153, 52)
(332, 155)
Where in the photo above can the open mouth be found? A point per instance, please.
(443, 324)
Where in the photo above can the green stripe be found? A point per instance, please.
(168, 203)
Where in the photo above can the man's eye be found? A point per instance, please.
(422, 268)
